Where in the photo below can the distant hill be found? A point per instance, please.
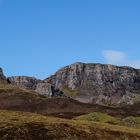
(89, 83)
(69, 83)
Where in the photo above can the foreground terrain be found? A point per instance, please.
(28, 126)
(84, 121)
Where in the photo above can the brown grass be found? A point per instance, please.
(28, 126)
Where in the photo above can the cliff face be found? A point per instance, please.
(2, 77)
(97, 83)
(37, 85)
(89, 83)
(24, 81)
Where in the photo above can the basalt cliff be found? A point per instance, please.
(89, 83)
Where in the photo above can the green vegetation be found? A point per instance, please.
(132, 121)
(10, 87)
(129, 121)
(69, 91)
(99, 117)
(29, 126)
(7, 87)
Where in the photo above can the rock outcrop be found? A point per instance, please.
(2, 77)
(98, 83)
(37, 85)
(89, 83)
(24, 81)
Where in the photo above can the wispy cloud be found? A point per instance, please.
(135, 64)
(119, 58)
(114, 57)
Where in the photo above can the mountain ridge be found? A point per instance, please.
(103, 81)
(95, 83)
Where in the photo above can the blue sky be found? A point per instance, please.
(37, 37)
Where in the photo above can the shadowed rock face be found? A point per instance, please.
(97, 83)
(2, 77)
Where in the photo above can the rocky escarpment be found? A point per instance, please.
(98, 83)
(24, 81)
(89, 83)
(2, 77)
(37, 85)
(48, 90)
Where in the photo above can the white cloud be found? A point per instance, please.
(114, 57)
(135, 64)
(119, 58)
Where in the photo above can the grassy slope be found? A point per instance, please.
(28, 126)
(15, 98)
(14, 90)
(99, 117)
(129, 121)
(69, 92)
